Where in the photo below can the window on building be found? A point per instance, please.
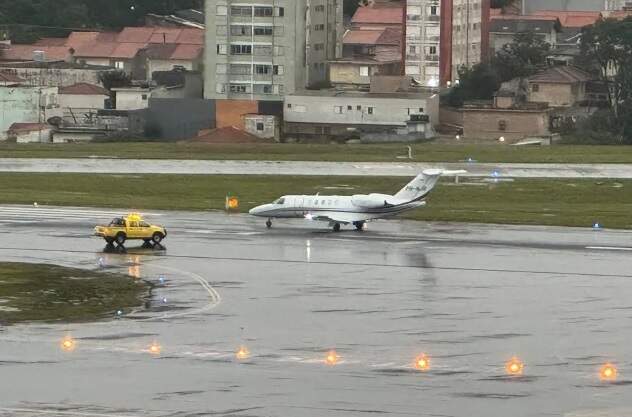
(262, 69)
(220, 88)
(359, 108)
(241, 49)
(240, 69)
(319, 27)
(535, 88)
(119, 65)
(338, 109)
(502, 125)
(263, 11)
(240, 30)
(319, 8)
(221, 49)
(369, 110)
(263, 88)
(319, 46)
(260, 127)
(432, 50)
(278, 70)
(433, 10)
(263, 30)
(143, 97)
(239, 88)
(280, 11)
(241, 11)
(364, 71)
(349, 108)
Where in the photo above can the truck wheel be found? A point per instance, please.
(109, 240)
(120, 239)
(157, 237)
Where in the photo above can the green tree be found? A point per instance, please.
(607, 48)
(521, 58)
(476, 83)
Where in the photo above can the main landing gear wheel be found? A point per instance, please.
(337, 227)
(269, 223)
(359, 225)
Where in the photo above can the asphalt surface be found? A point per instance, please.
(405, 169)
(469, 296)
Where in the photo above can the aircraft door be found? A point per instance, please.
(300, 203)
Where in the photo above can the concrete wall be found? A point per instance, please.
(557, 95)
(22, 105)
(55, 77)
(177, 119)
(356, 110)
(132, 100)
(485, 124)
(43, 136)
(232, 112)
(82, 101)
(349, 73)
(263, 126)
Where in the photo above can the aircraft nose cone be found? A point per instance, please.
(256, 211)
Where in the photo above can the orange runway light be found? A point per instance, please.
(243, 353)
(514, 367)
(68, 344)
(332, 358)
(422, 363)
(608, 372)
(232, 203)
(155, 349)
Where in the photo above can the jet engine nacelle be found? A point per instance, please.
(373, 200)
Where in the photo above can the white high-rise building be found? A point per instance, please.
(264, 49)
(423, 37)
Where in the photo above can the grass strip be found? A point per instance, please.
(49, 293)
(560, 202)
(325, 152)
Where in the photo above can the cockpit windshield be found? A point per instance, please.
(280, 201)
(117, 222)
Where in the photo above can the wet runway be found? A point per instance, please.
(469, 296)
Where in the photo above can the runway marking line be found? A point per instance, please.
(611, 248)
(59, 412)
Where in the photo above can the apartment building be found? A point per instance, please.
(423, 40)
(444, 35)
(265, 49)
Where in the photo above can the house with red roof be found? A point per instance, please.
(366, 53)
(83, 96)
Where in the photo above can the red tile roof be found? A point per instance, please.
(28, 127)
(135, 34)
(561, 75)
(95, 50)
(191, 37)
(188, 52)
(388, 36)
(127, 50)
(571, 19)
(84, 89)
(379, 15)
(524, 17)
(26, 53)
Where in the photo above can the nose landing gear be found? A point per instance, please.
(269, 223)
(359, 225)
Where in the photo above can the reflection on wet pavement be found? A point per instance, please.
(299, 301)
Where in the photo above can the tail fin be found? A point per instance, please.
(421, 186)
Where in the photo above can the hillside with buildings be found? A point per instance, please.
(304, 71)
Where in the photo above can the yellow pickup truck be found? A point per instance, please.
(131, 227)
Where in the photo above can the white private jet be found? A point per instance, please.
(357, 209)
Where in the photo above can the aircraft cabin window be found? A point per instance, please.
(280, 201)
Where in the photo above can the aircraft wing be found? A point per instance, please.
(337, 217)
